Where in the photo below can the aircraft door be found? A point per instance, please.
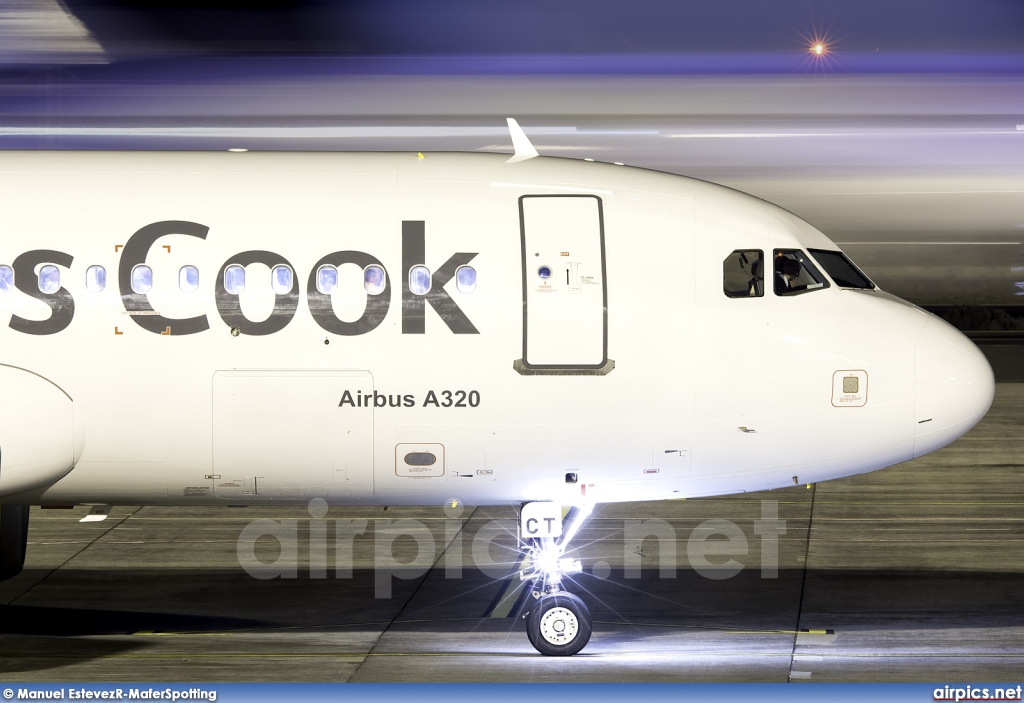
(289, 435)
(565, 320)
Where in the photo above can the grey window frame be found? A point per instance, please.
(319, 283)
(752, 283)
(273, 280)
(181, 281)
(89, 277)
(140, 267)
(839, 281)
(808, 265)
(366, 283)
(43, 270)
(227, 270)
(416, 290)
(458, 280)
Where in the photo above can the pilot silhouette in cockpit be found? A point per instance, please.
(787, 270)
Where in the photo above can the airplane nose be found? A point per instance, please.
(954, 386)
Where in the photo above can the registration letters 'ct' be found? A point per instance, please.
(539, 520)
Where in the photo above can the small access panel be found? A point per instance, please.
(850, 389)
(288, 434)
(565, 298)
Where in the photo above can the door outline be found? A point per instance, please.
(606, 365)
(247, 484)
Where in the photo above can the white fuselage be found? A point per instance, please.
(626, 374)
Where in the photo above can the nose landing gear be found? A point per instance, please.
(558, 623)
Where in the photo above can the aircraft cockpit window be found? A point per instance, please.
(142, 279)
(234, 279)
(465, 279)
(188, 279)
(419, 280)
(843, 271)
(281, 279)
(6, 279)
(327, 279)
(795, 273)
(95, 279)
(743, 274)
(374, 280)
(49, 279)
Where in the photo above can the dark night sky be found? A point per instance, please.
(452, 27)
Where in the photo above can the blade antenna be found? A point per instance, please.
(521, 143)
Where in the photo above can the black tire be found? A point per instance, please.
(559, 625)
(13, 539)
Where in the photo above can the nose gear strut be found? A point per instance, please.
(558, 623)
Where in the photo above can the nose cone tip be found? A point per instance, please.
(954, 386)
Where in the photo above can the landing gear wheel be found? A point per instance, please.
(13, 539)
(559, 624)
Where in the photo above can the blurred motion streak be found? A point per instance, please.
(43, 32)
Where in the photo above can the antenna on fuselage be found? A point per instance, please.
(521, 143)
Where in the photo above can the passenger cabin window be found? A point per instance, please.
(743, 274)
(281, 279)
(95, 279)
(795, 273)
(419, 280)
(234, 279)
(6, 279)
(142, 279)
(188, 279)
(465, 279)
(49, 279)
(327, 279)
(843, 271)
(374, 280)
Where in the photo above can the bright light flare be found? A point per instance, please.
(820, 47)
(547, 561)
(548, 564)
(820, 50)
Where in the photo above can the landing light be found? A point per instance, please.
(547, 560)
(818, 49)
(548, 563)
